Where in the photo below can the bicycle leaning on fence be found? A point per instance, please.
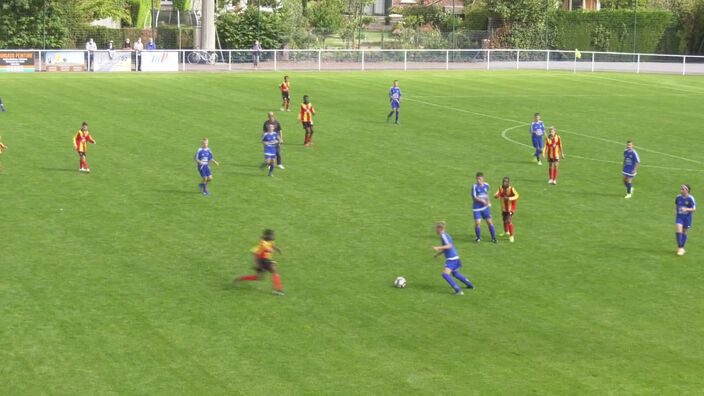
(206, 57)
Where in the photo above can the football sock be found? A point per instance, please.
(492, 229)
(307, 137)
(451, 281)
(679, 239)
(554, 172)
(84, 164)
(463, 279)
(271, 169)
(278, 159)
(248, 278)
(288, 105)
(684, 239)
(478, 231)
(277, 281)
(505, 227)
(628, 187)
(510, 229)
(397, 116)
(537, 154)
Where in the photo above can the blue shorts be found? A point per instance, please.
(629, 173)
(270, 153)
(395, 104)
(482, 214)
(204, 170)
(453, 265)
(686, 221)
(537, 141)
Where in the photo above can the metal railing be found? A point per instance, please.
(350, 60)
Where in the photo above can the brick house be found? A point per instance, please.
(380, 7)
(572, 5)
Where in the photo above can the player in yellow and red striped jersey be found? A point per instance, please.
(80, 142)
(2, 147)
(285, 94)
(508, 196)
(263, 263)
(306, 116)
(553, 152)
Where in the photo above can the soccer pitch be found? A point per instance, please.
(120, 281)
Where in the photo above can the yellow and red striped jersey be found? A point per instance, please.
(553, 147)
(285, 86)
(508, 196)
(264, 249)
(307, 111)
(2, 147)
(81, 140)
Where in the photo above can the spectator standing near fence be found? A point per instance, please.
(151, 45)
(138, 48)
(256, 52)
(111, 50)
(91, 47)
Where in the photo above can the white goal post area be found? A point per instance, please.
(352, 60)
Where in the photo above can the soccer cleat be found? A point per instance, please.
(502, 234)
(459, 293)
(627, 196)
(540, 163)
(494, 241)
(87, 170)
(510, 239)
(550, 181)
(554, 182)
(2, 108)
(477, 240)
(307, 144)
(397, 123)
(282, 109)
(206, 192)
(279, 292)
(680, 252)
(288, 109)
(281, 166)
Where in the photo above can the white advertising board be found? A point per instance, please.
(112, 61)
(160, 61)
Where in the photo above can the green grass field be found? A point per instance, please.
(119, 282)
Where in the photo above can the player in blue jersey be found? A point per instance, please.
(631, 162)
(685, 205)
(480, 207)
(2, 106)
(203, 157)
(537, 130)
(395, 99)
(270, 140)
(452, 260)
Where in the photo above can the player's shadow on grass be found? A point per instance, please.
(440, 287)
(60, 169)
(177, 191)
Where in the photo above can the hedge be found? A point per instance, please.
(141, 11)
(166, 37)
(612, 30)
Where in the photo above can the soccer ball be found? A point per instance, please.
(400, 282)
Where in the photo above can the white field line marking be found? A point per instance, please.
(650, 85)
(557, 95)
(562, 130)
(504, 134)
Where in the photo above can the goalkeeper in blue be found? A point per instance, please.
(685, 205)
(395, 99)
(2, 106)
(452, 260)
(631, 161)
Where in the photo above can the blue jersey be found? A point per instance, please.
(685, 202)
(204, 156)
(451, 253)
(395, 94)
(537, 128)
(270, 139)
(480, 192)
(630, 159)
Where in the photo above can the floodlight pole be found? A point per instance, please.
(635, 27)
(453, 25)
(259, 17)
(547, 24)
(44, 26)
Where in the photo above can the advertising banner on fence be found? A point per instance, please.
(160, 61)
(112, 61)
(64, 61)
(16, 62)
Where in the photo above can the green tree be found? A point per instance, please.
(24, 22)
(524, 21)
(325, 17)
(239, 30)
(99, 9)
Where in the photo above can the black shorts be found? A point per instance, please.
(307, 124)
(284, 95)
(553, 160)
(264, 265)
(507, 214)
(81, 153)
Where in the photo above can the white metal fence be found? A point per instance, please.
(368, 59)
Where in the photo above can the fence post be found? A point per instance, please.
(488, 59)
(574, 68)
(405, 60)
(447, 58)
(320, 59)
(275, 67)
(229, 60)
(40, 61)
(362, 60)
(518, 59)
(547, 61)
(183, 60)
(593, 53)
(638, 65)
(684, 65)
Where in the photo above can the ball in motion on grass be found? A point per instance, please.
(400, 282)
